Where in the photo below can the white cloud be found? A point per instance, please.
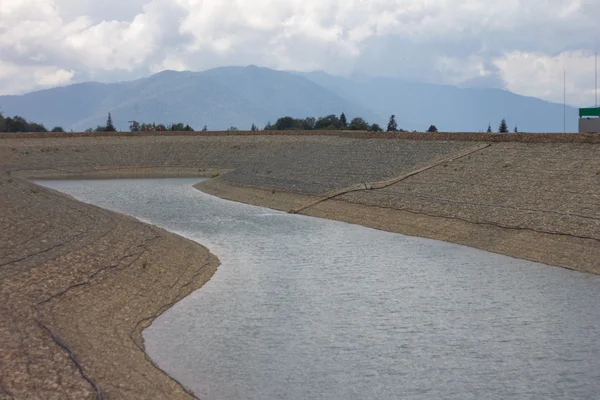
(53, 77)
(541, 75)
(460, 42)
(14, 77)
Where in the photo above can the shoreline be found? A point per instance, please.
(523, 244)
(116, 274)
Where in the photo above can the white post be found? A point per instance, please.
(565, 102)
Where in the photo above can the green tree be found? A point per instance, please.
(34, 127)
(516, 129)
(188, 128)
(178, 127)
(57, 129)
(308, 123)
(19, 124)
(489, 129)
(392, 124)
(375, 128)
(503, 128)
(285, 124)
(358, 124)
(253, 127)
(204, 129)
(16, 124)
(432, 129)
(343, 121)
(330, 122)
(134, 126)
(109, 125)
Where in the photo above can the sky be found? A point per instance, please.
(520, 45)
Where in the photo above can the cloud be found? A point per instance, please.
(14, 77)
(541, 75)
(461, 42)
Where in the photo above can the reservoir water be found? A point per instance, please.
(306, 308)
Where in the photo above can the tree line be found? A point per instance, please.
(20, 124)
(153, 127)
(329, 122)
(135, 126)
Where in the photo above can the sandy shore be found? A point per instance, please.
(78, 283)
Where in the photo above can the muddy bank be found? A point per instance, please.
(78, 285)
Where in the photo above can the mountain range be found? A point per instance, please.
(240, 96)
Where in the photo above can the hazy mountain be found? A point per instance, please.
(219, 98)
(418, 105)
(240, 96)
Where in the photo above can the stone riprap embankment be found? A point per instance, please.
(79, 283)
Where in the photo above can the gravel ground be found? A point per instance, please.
(548, 187)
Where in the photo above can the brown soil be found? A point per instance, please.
(78, 286)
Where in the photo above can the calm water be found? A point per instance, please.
(304, 308)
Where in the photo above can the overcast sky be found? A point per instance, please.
(520, 45)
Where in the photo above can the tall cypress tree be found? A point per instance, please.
(343, 121)
(109, 125)
(392, 124)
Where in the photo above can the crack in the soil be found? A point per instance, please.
(86, 282)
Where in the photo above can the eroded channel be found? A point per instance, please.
(306, 308)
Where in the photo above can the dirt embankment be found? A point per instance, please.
(538, 202)
(79, 283)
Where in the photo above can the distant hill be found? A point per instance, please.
(219, 98)
(451, 109)
(240, 96)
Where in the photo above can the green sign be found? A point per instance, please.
(589, 112)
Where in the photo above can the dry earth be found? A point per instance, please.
(78, 284)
